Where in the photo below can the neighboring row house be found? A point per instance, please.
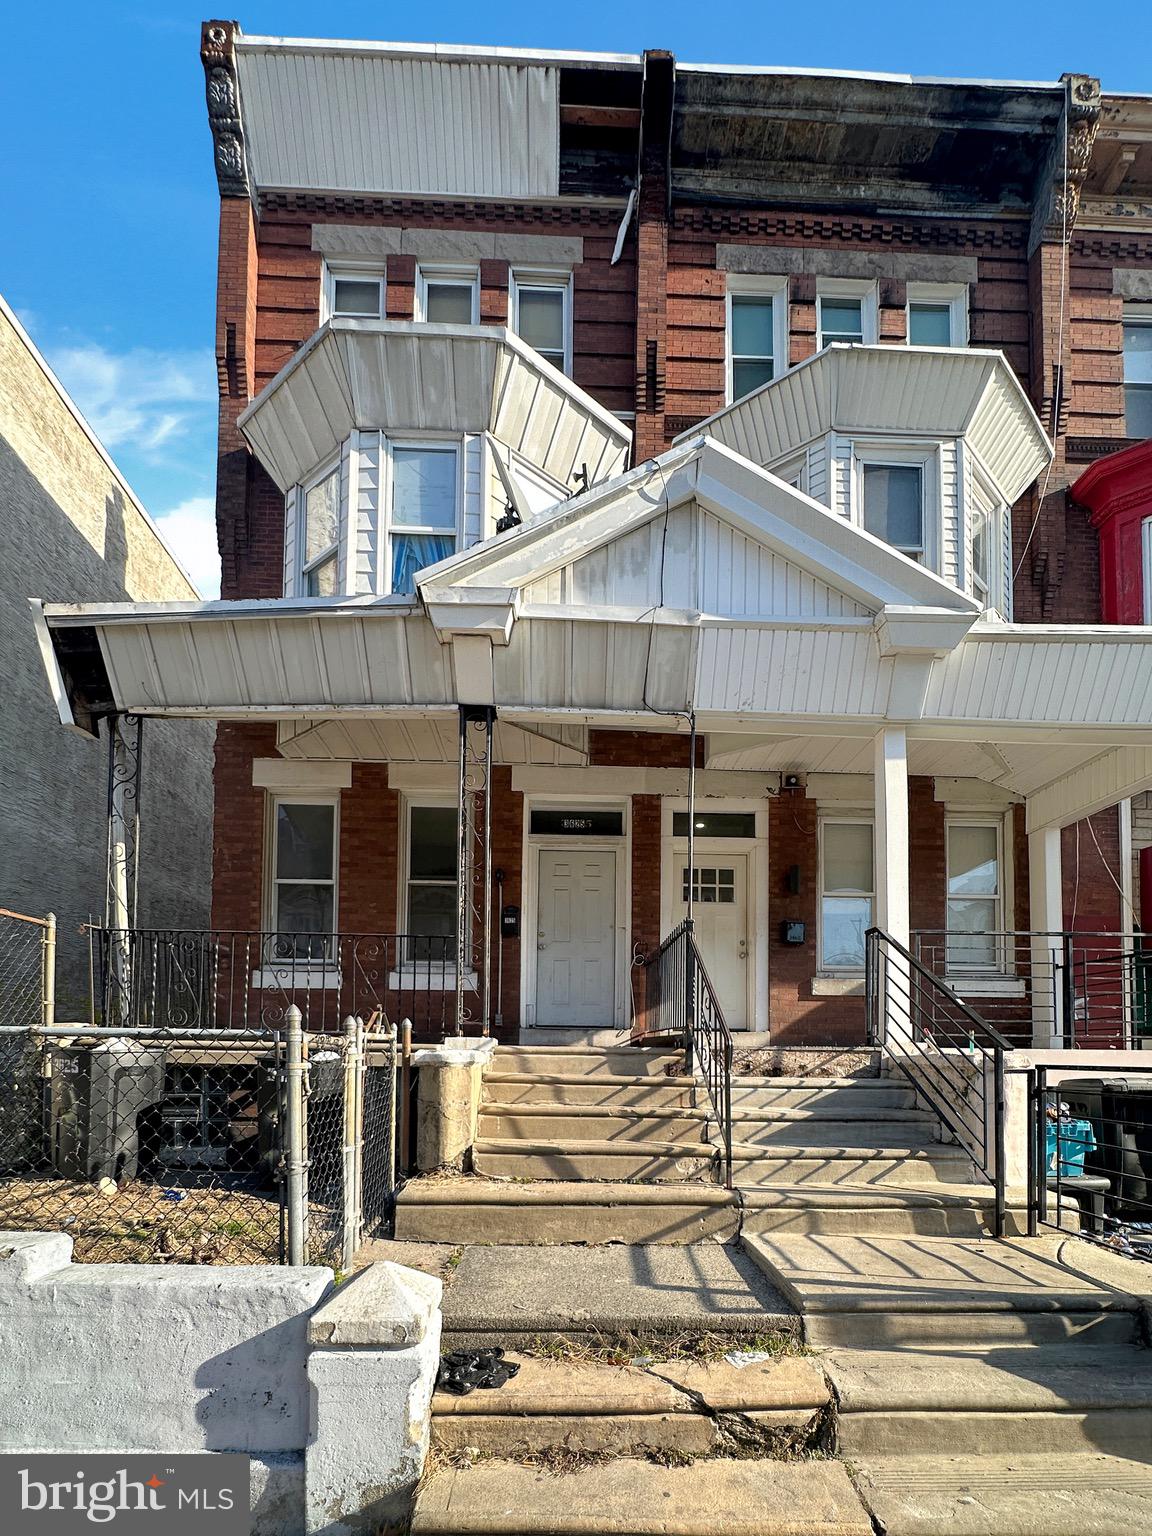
(641, 409)
(73, 528)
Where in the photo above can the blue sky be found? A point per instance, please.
(107, 251)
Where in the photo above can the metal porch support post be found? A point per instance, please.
(1050, 974)
(890, 787)
(125, 741)
(353, 1139)
(48, 976)
(474, 857)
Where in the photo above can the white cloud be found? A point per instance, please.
(190, 530)
(141, 398)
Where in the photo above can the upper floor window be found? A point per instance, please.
(303, 895)
(320, 555)
(423, 511)
(1138, 370)
(937, 314)
(757, 334)
(847, 884)
(982, 557)
(448, 295)
(356, 292)
(892, 497)
(542, 314)
(845, 311)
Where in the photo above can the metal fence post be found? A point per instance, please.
(295, 1151)
(48, 985)
(353, 1138)
(404, 1131)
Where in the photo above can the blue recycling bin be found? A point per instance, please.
(1077, 1140)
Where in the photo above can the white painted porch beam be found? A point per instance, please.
(891, 835)
(1095, 786)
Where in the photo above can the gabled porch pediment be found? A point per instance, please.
(699, 531)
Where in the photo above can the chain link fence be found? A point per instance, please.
(27, 969)
(263, 1145)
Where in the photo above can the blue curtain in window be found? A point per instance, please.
(412, 552)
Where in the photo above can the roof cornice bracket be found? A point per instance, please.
(222, 87)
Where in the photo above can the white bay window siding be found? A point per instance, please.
(405, 502)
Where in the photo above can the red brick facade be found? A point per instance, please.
(649, 338)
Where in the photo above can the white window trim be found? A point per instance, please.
(447, 978)
(1135, 314)
(757, 285)
(543, 277)
(360, 271)
(304, 566)
(838, 819)
(460, 276)
(1146, 567)
(955, 295)
(1002, 968)
(303, 973)
(849, 288)
(925, 456)
(384, 533)
(974, 482)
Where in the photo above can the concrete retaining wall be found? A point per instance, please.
(327, 1390)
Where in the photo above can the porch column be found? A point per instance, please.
(125, 740)
(1046, 919)
(891, 844)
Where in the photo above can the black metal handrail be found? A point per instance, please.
(951, 1055)
(168, 978)
(1089, 989)
(681, 999)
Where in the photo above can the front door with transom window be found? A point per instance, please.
(576, 937)
(720, 915)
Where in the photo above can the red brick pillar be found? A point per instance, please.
(652, 210)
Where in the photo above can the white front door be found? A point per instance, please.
(720, 914)
(576, 937)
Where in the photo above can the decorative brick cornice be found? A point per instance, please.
(811, 229)
(431, 211)
(1115, 248)
(222, 88)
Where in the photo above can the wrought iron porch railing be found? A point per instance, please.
(1089, 990)
(952, 1057)
(147, 978)
(681, 1000)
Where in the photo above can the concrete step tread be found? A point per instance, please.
(767, 1114)
(497, 1074)
(1081, 1495)
(1023, 1380)
(877, 1196)
(748, 1080)
(937, 1151)
(627, 1112)
(545, 1387)
(635, 1498)
(845, 1274)
(581, 1146)
(479, 1191)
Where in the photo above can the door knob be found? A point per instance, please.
(541, 946)
(742, 950)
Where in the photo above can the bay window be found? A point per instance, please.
(892, 497)
(975, 861)
(423, 512)
(303, 887)
(847, 888)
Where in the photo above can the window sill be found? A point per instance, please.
(986, 986)
(298, 978)
(419, 979)
(838, 986)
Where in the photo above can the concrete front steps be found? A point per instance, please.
(634, 1497)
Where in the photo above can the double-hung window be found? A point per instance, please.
(542, 314)
(429, 897)
(892, 497)
(937, 314)
(356, 292)
(303, 916)
(1138, 370)
(757, 332)
(847, 886)
(320, 549)
(448, 295)
(845, 311)
(982, 556)
(975, 861)
(423, 516)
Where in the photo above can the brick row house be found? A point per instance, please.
(670, 465)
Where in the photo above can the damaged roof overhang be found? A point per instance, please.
(880, 142)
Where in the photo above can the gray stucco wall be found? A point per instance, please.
(71, 533)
